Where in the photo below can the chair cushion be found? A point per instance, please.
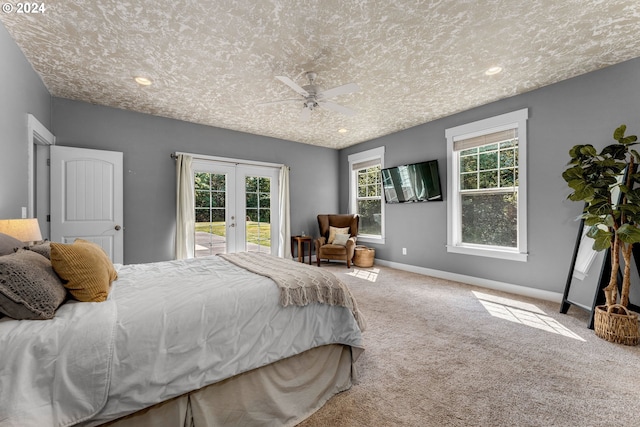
(341, 239)
(335, 230)
(330, 249)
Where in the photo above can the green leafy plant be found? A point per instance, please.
(605, 181)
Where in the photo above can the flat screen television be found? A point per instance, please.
(417, 182)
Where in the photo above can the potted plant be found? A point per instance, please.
(605, 182)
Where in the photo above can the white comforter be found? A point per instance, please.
(180, 325)
(56, 372)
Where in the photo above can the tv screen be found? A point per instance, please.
(417, 182)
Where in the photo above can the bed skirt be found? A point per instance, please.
(283, 393)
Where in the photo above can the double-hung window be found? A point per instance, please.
(486, 187)
(365, 194)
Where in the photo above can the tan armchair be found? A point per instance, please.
(329, 251)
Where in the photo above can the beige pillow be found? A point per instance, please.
(43, 249)
(9, 244)
(84, 267)
(335, 230)
(341, 239)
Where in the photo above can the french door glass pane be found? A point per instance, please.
(258, 214)
(211, 196)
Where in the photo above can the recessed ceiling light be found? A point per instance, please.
(493, 70)
(142, 81)
(343, 130)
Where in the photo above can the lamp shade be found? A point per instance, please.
(25, 230)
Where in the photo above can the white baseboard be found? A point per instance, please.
(485, 283)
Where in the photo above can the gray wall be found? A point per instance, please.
(21, 92)
(149, 171)
(585, 109)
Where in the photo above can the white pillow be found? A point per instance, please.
(341, 239)
(333, 231)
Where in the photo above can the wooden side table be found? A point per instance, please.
(301, 240)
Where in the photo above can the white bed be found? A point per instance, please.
(178, 343)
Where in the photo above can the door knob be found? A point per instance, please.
(117, 227)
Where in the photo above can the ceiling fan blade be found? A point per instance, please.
(305, 114)
(282, 101)
(337, 107)
(293, 85)
(340, 90)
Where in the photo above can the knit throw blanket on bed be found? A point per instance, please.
(300, 284)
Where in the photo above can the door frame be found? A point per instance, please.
(37, 134)
(248, 164)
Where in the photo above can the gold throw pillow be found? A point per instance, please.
(85, 268)
(335, 230)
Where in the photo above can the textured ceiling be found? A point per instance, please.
(212, 62)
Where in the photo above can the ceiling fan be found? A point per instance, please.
(313, 96)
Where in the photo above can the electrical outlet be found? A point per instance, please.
(404, 251)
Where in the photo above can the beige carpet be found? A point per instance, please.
(440, 353)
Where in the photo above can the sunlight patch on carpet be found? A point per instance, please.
(370, 275)
(523, 313)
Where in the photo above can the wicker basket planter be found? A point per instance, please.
(614, 327)
(363, 256)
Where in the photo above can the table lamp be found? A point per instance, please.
(26, 230)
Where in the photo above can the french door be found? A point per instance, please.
(236, 208)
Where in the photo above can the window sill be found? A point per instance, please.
(490, 253)
(370, 239)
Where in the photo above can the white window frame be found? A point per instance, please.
(364, 156)
(514, 120)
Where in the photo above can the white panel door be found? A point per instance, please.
(86, 198)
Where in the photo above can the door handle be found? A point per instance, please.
(117, 227)
(233, 224)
